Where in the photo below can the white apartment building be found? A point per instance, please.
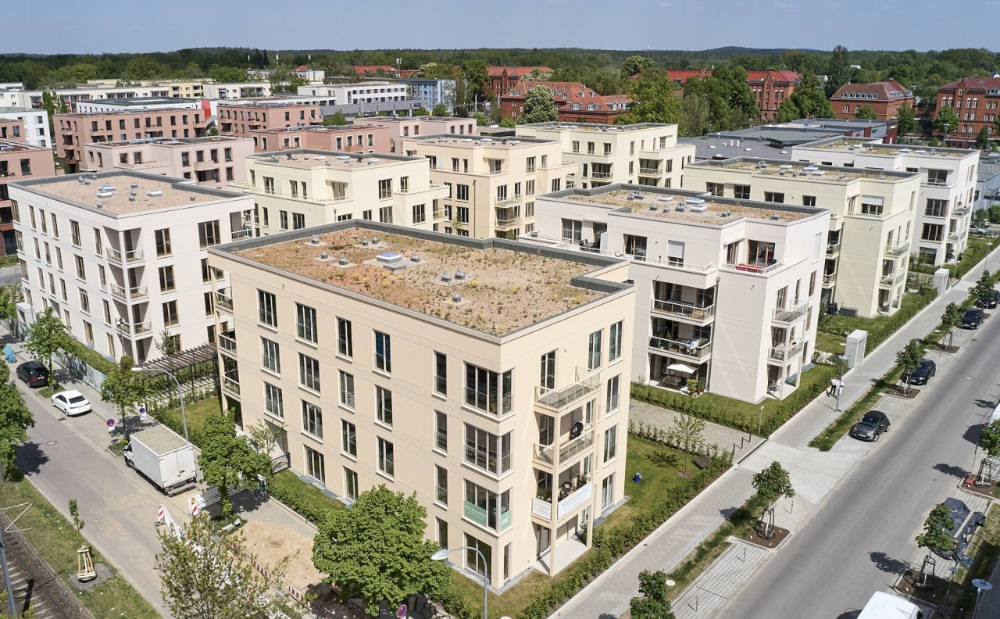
(237, 90)
(727, 290)
(947, 188)
(303, 188)
(36, 124)
(135, 104)
(361, 92)
(642, 153)
(10, 94)
(871, 220)
(492, 182)
(499, 371)
(121, 256)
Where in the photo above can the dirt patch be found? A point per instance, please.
(987, 490)
(910, 585)
(778, 535)
(271, 544)
(899, 392)
(944, 348)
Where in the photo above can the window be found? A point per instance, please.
(716, 189)
(871, 205)
(773, 196)
(271, 359)
(315, 466)
(635, 246)
(615, 341)
(170, 313)
(55, 226)
(556, 184)
(309, 372)
(80, 271)
(345, 344)
(383, 405)
(283, 216)
(461, 192)
(440, 373)
(607, 491)
(166, 278)
(488, 391)
(610, 443)
(440, 431)
(385, 188)
(274, 402)
(812, 283)
(932, 232)
(350, 484)
(312, 419)
(572, 230)
(937, 177)
(612, 402)
(84, 301)
(441, 485)
(419, 216)
(487, 451)
(348, 438)
(548, 370)
(383, 352)
(936, 208)
(306, 322)
(488, 509)
(385, 214)
(741, 191)
(298, 221)
(594, 351)
(208, 233)
(576, 146)
(347, 389)
(808, 200)
(385, 457)
(162, 242)
(267, 306)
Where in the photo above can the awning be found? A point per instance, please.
(680, 367)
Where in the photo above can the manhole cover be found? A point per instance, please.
(50, 443)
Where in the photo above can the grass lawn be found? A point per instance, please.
(829, 342)
(57, 542)
(196, 412)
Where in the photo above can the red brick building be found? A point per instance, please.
(976, 100)
(681, 76)
(770, 88)
(501, 79)
(885, 98)
(363, 70)
(575, 102)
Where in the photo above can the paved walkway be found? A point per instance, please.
(739, 442)
(712, 590)
(814, 474)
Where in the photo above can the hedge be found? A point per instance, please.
(881, 328)
(306, 499)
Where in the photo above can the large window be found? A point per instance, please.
(871, 205)
(612, 401)
(440, 431)
(488, 391)
(208, 233)
(274, 402)
(347, 389)
(572, 230)
(272, 360)
(309, 372)
(386, 462)
(162, 242)
(610, 443)
(383, 405)
(936, 208)
(774, 196)
(170, 313)
(315, 466)
(932, 232)
(615, 341)
(487, 508)
(383, 352)
(350, 484)
(267, 306)
(166, 278)
(487, 451)
(594, 351)
(312, 419)
(548, 370)
(306, 319)
(741, 191)
(348, 437)
(440, 373)
(607, 491)
(345, 344)
(441, 485)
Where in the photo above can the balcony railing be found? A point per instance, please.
(960, 211)
(127, 294)
(650, 171)
(954, 236)
(231, 385)
(686, 310)
(227, 343)
(898, 250)
(893, 278)
(784, 352)
(694, 349)
(120, 257)
(829, 280)
(224, 301)
(508, 222)
(567, 449)
(461, 224)
(557, 399)
(578, 498)
(509, 200)
(832, 249)
(133, 329)
(594, 174)
(478, 515)
(242, 233)
(754, 268)
(440, 215)
(790, 315)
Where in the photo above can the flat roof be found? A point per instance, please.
(14, 146)
(129, 101)
(473, 141)
(313, 158)
(597, 127)
(208, 139)
(11, 110)
(868, 147)
(397, 119)
(318, 128)
(802, 171)
(82, 190)
(306, 100)
(505, 285)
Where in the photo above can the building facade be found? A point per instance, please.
(770, 88)
(511, 419)
(575, 102)
(360, 92)
(727, 290)
(431, 92)
(491, 183)
(368, 138)
(121, 256)
(501, 79)
(976, 100)
(18, 160)
(241, 120)
(211, 161)
(401, 127)
(35, 124)
(884, 98)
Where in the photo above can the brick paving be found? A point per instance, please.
(710, 591)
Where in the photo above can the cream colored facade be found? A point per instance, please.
(727, 291)
(871, 221)
(947, 187)
(394, 395)
(213, 161)
(643, 153)
(303, 188)
(492, 182)
(118, 271)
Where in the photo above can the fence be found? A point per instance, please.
(80, 370)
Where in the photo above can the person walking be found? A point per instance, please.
(833, 386)
(840, 387)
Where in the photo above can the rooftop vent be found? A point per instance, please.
(364, 241)
(414, 257)
(105, 194)
(459, 274)
(342, 260)
(314, 240)
(652, 207)
(695, 201)
(456, 298)
(155, 193)
(775, 217)
(726, 213)
(445, 276)
(191, 198)
(324, 255)
(131, 197)
(100, 205)
(761, 164)
(389, 257)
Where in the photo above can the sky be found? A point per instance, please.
(96, 26)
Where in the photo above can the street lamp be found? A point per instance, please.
(840, 380)
(180, 394)
(442, 555)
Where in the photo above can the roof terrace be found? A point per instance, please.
(867, 147)
(308, 159)
(801, 170)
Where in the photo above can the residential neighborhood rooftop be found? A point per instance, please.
(866, 146)
(458, 141)
(801, 170)
(597, 127)
(310, 158)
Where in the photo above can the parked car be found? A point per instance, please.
(972, 318)
(990, 301)
(922, 374)
(71, 402)
(871, 426)
(33, 373)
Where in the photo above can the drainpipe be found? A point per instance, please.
(711, 340)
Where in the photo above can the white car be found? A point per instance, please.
(71, 402)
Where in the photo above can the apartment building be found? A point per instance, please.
(10, 94)
(136, 104)
(359, 92)
(237, 90)
(12, 129)
(492, 183)
(75, 130)
(884, 98)
(431, 92)
(727, 290)
(643, 153)
(358, 138)
(947, 187)
(976, 100)
(35, 125)
(867, 247)
(302, 188)
(500, 370)
(18, 160)
(121, 256)
(241, 119)
(211, 161)
(410, 126)
(770, 88)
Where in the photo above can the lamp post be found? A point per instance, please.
(840, 380)
(180, 394)
(442, 555)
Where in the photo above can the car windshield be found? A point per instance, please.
(869, 420)
(77, 399)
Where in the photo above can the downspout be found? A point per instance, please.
(715, 301)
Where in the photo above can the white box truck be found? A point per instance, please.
(888, 606)
(164, 458)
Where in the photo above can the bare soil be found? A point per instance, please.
(899, 392)
(779, 536)
(910, 586)
(271, 544)
(946, 348)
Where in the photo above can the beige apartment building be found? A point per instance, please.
(241, 119)
(871, 220)
(727, 290)
(120, 256)
(947, 187)
(211, 161)
(368, 138)
(499, 371)
(302, 188)
(492, 182)
(401, 127)
(642, 153)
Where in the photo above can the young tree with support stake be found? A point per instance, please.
(909, 360)
(950, 319)
(936, 536)
(771, 484)
(47, 336)
(984, 286)
(124, 388)
(652, 602)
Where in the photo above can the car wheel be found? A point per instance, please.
(877, 435)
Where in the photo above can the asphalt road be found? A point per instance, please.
(859, 540)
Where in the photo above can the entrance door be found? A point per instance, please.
(543, 539)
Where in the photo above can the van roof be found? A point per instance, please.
(160, 439)
(887, 606)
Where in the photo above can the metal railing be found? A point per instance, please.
(898, 250)
(753, 268)
(224, 301)
(242, 233)
(127, 294)
(832, 248)
(686, 310)
(231, 384)
(694, 349)
(509, 200)
(557, 399)
(580, 495)
(790, 315)
(508, 222)
(594, 174)
(227, 343)
(650, 171)
(785, 351)
(828, 280)
(567, 449)
(118, 256)
(133, 329)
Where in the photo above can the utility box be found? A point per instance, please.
(941, 281)
(854, 348)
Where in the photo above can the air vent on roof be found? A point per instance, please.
(906, 150)
(666, 199)
(761, 163)
(445, 276)
(105, 194)
(725, 214)
(775, 217)
(459, 274)
(155, 193)
(389, 257)
(414, 257)
(342, 260)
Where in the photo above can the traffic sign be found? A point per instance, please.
(110, 423)
(401, 611)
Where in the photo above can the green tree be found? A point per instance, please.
(695, 115)
(539, 106)
(10, 296)
(507, 123)
(838, 70)
(440, 110)
(937, 532)
(124, 388)
(46, 336)
(205, 572)
(397, 565)
(74, 513)
(989, 438)
(950, 319)
(15, 419)
(653, 99)
(866, 113)
(687, 431)
(227, 75)
(984, 286)
(336, 118)
(907, 119)
(773, 482)
(946, 120)
(420, 111)
(908, 359)
(52, 104)
(227, 458)
(652, 602)
(983, 139)
(806, 101)
(636, 64)
(167, 343)
(475, 75)
(481, 120)
(143, 68)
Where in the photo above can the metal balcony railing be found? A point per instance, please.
(120, 257)
(693, 349)
(227, 343)
(567, 449)
(224, 301)
(686, 310)
(790, 315)
(784, 352)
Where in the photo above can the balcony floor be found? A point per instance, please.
(567, 551)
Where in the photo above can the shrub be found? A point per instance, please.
(304, 498)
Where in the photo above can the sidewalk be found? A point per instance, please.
(814, 473)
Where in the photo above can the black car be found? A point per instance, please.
(922, 374)
(33, 373)
(972, 318)
(989, 301)
(871, 426)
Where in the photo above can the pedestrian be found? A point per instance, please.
(833, 387)
(840, 386)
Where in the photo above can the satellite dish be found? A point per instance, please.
(576, 430)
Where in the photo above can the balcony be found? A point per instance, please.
(695, 350)
(461, 225)
(507, 223)
(224, 301)
(231, 385)
(546, 454)
(440, 215)
(753, 268)
(510, 200)
(898, 250)
(579, 497)
(833, 249)
(479, 515)
(562, 400)
(227, 343)
(954, 236)
(242, 233)
(130, 330)
(123, 258)
(829, 280)
(594, 174)
(784, 352)
(960, 211)
(687, 311)
(892, 278)
(790, 315)
(649, 171)
(127, 294)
